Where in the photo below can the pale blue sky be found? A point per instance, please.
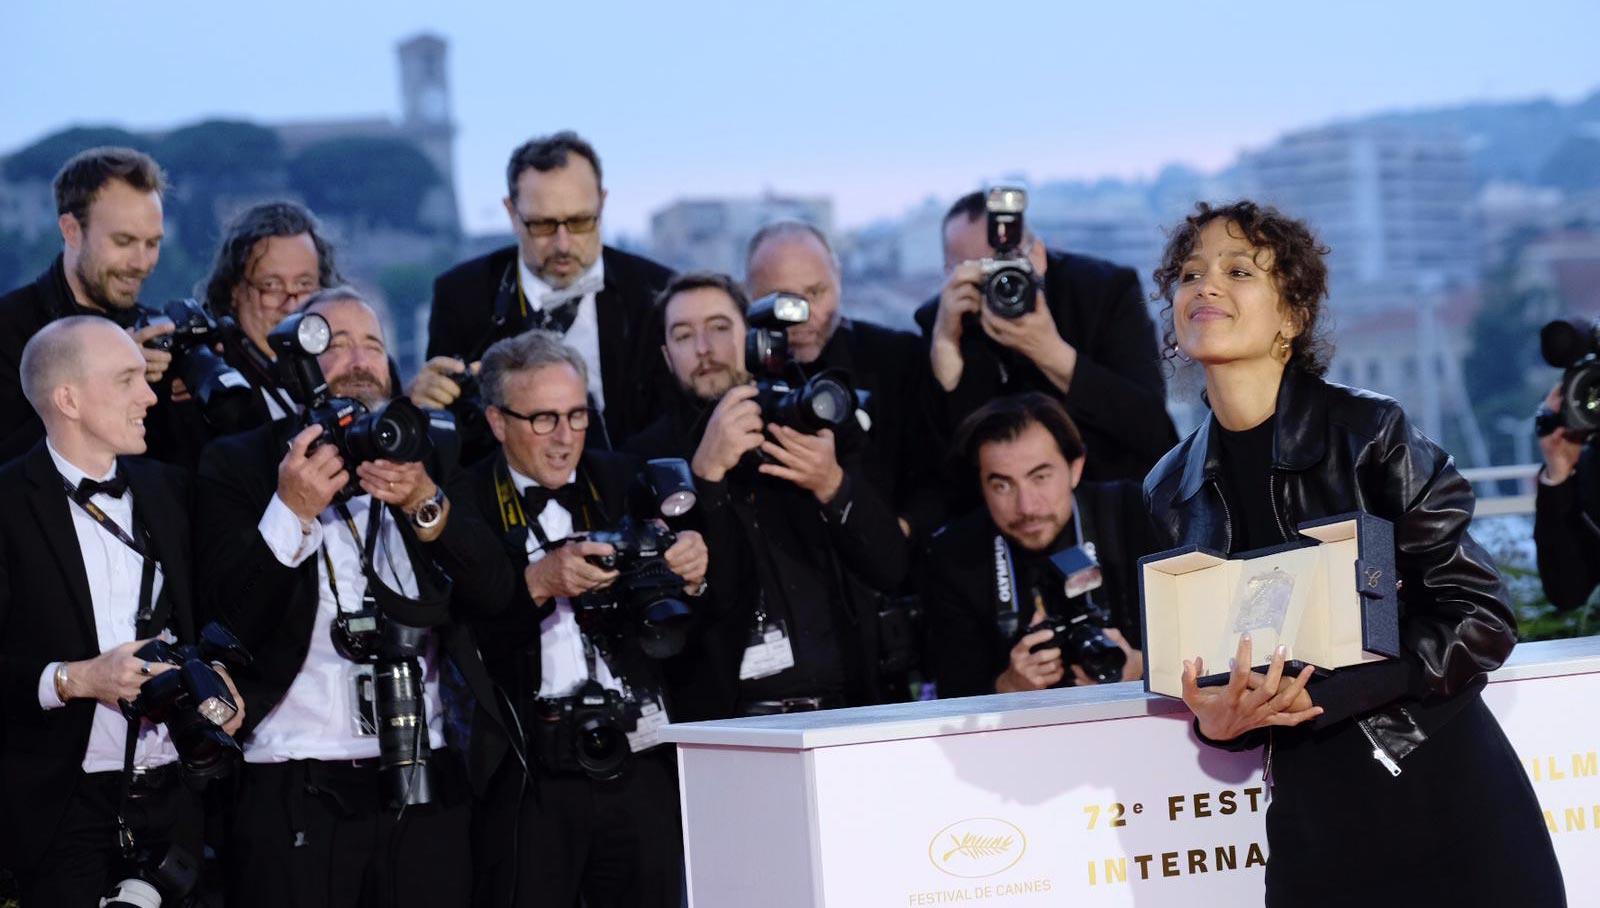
(878, 104)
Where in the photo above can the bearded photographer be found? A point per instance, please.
(1067, 325)
(342, 571)
(567, 812)
(95, 565)
(799, 543)
(1565, 535)
(108, 202)
(1040, 587)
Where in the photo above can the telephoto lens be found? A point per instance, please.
(402, 732)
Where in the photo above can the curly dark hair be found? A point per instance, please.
(1298, 270)
(260, 222)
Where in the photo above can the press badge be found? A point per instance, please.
(647, 728)
(363, 701)
(768, 651)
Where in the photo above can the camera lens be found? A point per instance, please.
(396, 431)
(663, 627)
(602, 747)
(1581, 409)
(1009, 293)
(1100, 658)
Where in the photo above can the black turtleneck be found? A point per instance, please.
(1247, 484)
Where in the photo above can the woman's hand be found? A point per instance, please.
(1246, 703)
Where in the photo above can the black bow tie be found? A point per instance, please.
(558, 319)
(535, 497)
(88, 488)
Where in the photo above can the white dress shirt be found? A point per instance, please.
(564, 667)
(316, 718)
(114, 572)
(584, 335)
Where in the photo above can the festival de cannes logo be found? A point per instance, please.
(979, 847)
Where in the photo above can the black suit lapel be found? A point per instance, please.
(616, 342)
(160, 517)
(49, 502)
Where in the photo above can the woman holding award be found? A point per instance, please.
(1392, 784)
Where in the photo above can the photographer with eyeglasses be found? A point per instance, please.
(558, 277)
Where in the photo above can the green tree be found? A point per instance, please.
(42, 159)
(377, 181)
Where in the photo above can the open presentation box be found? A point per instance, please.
(1329, 598)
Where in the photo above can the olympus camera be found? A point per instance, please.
(1081, 637)
(1008, 282)
(1573, 347)
(223, 393)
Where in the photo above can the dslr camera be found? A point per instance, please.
(396, 430)
(1009, 284)
(223, 393)
(586, 732)
(645, 605)
(1574, 347)
(1081, 637)
(823, 401)
(194, 702)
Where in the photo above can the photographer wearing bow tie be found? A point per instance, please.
(344, 573)
(94, 563)
(564, 814)
(558, 277)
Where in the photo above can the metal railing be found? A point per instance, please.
(1491, 503)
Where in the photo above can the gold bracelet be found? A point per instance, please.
(61, 682)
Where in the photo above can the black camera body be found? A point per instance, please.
(824, 401)
(396, 430)
(194, 701)
(1081, 636)
(586, 732)
(1009, 284)
(645, 605)
(222, 391)
(1573, 347)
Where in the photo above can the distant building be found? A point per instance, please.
(1394, 204)
(712, 234)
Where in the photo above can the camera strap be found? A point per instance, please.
(1007, 591)
(366, 549)
(513, 516)
(141, 546)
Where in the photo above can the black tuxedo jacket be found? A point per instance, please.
(1118, 397)
(272, 608)
(46, 615)
(632, 370)
(173, 429)
(966, 651)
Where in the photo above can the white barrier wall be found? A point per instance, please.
(1094, 797)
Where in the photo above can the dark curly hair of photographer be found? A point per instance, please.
(1297, 266)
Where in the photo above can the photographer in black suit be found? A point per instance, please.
(273, 256)
(344, 596)
(994, 588)
(1565, 535)
(1086, 339)
(94, 561)
(557, 277)
(561, 816)
(109, 206)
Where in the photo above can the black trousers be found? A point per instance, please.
(84, 859)
(315, 834)
(546, 841)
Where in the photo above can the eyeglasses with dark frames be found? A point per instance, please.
(545, 421)
(577, 224)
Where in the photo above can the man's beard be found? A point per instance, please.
(98, 290)
(735, 378)
(363, 386)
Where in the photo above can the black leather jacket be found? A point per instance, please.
(1339, 449)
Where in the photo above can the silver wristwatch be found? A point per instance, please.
(430, 512)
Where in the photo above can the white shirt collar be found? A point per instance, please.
(70, 472)
(534, 288)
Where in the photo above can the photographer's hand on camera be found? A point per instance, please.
(1034, 335)
(808, 461)
(116, 674)
(434, 386)
(1031, 670)
(567, 572)
(733, 431)
(1132, 668)
(689, 558)
(308, 482)
(961, 295)
(156, 361)
(1561, 447)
